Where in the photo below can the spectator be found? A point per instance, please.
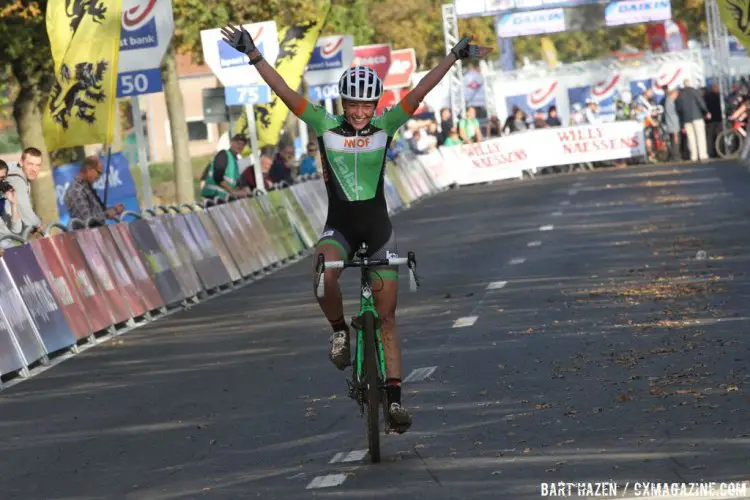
(591, 113)
(432, 131)
(493, 127)
(576, 116)
(692, 109)
(281, 170)
(422, 143)
(468, 128)
(539, 119)
(10, 217)
(453, 138)
(518, 124)
(553, 120)
(20, 178)
(713, 125)
(446, 124)
(222, 177)
(82, 201)
(672, 123)
(310, 164)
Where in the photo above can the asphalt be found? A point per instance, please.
(613, 352)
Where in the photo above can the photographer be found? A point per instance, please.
(10, 217)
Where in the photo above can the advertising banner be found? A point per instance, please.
(190, 252)
(157, 263)
(220, 245)
(241, 233)
(330, 57)
(533, 95)
(10, 357)
(377, 57)
(92, 300)
(62, 286)
(530, 23)
(39, 299)
(265, 241)
(438, 169)
(123, 280)
(146, 288)
(273, 246)
(246, 232)
(232, 238)
(637, 11)
(403, 66)
(211, 265)
(603, 93)
(17, 316)
(184, 271)
(275, 227)
(108, 287)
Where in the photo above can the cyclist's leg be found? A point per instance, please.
(385, 290)
(333, 246)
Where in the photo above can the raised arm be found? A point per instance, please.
(240, 40)
(462, 50)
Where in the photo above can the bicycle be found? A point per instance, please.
(729, 142)
(367, 386)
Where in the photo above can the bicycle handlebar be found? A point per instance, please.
(410, 261)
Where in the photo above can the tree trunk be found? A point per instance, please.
(28, 118)
(183, 170)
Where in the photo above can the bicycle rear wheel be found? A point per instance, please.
(372, 383)
(729, 143)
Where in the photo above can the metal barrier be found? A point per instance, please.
(70, 289)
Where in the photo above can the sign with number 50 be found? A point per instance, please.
(247, 94)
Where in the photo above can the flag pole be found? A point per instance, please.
(106, 175)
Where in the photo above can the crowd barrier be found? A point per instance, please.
(77, 285)
(70, 290)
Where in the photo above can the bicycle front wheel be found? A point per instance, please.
(729, 143)
(372, 381)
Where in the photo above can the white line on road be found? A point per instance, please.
(326, 481)
(548, 227)
(352, 456)
(465, 321)
(517, 260)
(419, 374)
(565, 203)
(578, 184)
(496, 284)
(572, 192)
(534, 244)
(557, 213)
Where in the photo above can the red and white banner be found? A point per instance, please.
(377, 57)
(403, 65)
(507, 157)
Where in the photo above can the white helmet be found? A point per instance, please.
(360, 83)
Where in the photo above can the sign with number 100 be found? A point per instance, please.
(247, 94)
(323, 92)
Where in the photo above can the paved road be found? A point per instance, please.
(609, 353)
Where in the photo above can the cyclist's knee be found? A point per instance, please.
(388, 320)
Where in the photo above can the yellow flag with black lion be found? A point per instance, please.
(85, 41)
(736, 15)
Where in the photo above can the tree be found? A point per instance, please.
(25, 49)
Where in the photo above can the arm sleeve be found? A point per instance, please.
(220, 166)
(315, 116)
(392, 119)
(15, 226)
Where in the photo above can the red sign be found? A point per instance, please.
(403, 66)
(125, 282)
(146, 288)
(62, 286)
(377, 57)
(97, 310)
(390, 98)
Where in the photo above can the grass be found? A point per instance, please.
(162, 179)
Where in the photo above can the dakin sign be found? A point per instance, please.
(637, 11)
(377, 57)
(403, 65)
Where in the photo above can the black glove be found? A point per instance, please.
(238, 39)
(464, 50)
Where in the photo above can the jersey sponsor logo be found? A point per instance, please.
(347, 178)
(355, 144)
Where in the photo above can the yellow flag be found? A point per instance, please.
(549, 52)
(85, 42)
(736, 15)
(296, 44)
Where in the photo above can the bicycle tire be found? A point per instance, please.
(726, 136)
(373, 385)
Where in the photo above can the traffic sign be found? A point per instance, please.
(323, 92)
(247, 94)
(230, 66)
(147, 29)
(403, 65)
(330, 57)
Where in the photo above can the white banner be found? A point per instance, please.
(507, 157)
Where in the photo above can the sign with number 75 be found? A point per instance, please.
(247, 94)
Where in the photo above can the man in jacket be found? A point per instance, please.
(672, 123)
(80, 198)
(20, 177)
(693, 111)
(222, 177)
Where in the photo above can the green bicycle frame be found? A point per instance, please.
(367, 304)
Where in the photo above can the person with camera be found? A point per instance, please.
(10, 216)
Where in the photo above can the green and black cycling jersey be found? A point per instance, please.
(353, 170)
